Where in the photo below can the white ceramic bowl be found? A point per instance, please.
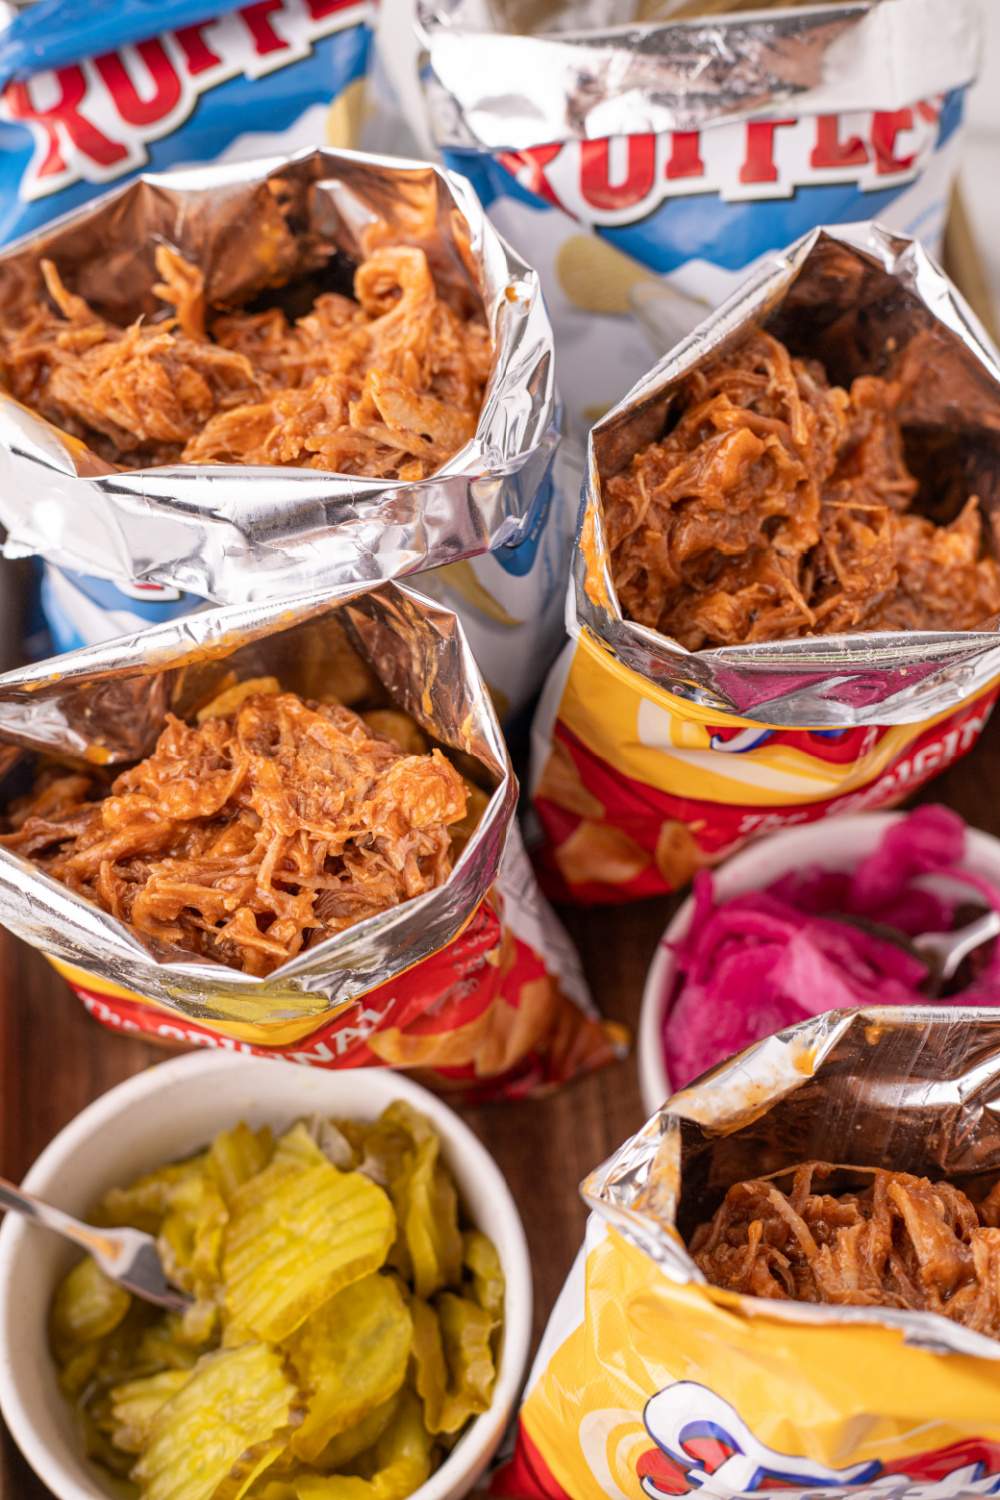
(833, 844)
(168, 1112)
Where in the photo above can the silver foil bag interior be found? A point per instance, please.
(515, 73)
(863, 301)
(907, 1090)
(106, 704)
(232, 533)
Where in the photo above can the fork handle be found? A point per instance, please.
(84, 1235)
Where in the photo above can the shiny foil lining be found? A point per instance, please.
(589, 69)
(868, 296)
(107, 704)
(909, 1090)
(236, 534)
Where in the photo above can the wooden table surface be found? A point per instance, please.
(55, 1060)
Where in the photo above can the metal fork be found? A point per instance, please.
(125, 1255)
(942, 952)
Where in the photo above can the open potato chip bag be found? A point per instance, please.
(323, 862)
(310, 371)
(648, 154)
(704, 699)
(651, 1381)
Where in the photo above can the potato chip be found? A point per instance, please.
(223, 1428)
(597, 277)
(598, 852)
(677, 853)
(427, 1204)
(561, 783)
(135, 1404)
(230, 698)
(342, 674)
(297, 1234)
(479, 1255)
(402, 1463)
(403, 730)
(87, 1305)
(476, 803)
(350, 1357)
(237, 1155)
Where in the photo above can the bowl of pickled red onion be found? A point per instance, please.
(814, 918)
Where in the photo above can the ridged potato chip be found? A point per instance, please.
(351, 1357)
(297, 1235)
(224, 1427)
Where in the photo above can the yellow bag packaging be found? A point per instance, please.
(651, 759)
(650, 1382)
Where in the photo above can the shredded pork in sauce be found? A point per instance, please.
(388, 384)
(253, 833)
(903, 1242)
(778, 505)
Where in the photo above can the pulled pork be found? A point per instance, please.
(388, 385)
(902, 1242)
(778, 505)
(269, 825)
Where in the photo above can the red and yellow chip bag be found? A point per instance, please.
(652, 758)
(651, 1382)
(466, 977)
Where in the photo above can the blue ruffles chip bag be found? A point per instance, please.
(133, 537)
(647, 154)
(91, 94)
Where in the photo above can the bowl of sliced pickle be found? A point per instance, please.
(358, 1281)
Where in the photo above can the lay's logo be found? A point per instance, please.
(622, 179)
(92, 120)
(704, 1447)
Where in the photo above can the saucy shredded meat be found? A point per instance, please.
(253, 833)
(778, 505)
(389, 385)
(903, 1242)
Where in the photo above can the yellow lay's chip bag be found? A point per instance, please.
(650, 1382)
(766, 630)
